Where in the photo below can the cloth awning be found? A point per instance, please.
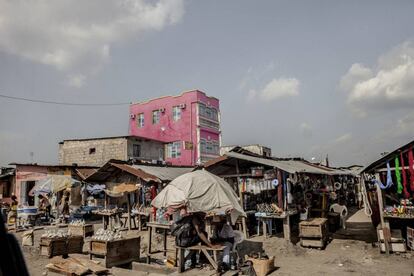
(200, 191)
(53, 184)
(122, 189)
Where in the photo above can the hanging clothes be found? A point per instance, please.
(398, 175)
(389, 179)
(411, 164)
(404, 177)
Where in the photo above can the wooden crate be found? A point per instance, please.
(397, 243)
(317, 243)
(117, 252)
(81, 230)
(314, 228)
(75, 244)
(53, 246)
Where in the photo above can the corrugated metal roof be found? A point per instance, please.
(137, 172)
(85, 173)
(290, 166)
(163, 173)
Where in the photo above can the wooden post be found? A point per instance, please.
(323, 205)
(129, 211)
(241, 200)
(385, 229)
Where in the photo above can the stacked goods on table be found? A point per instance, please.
(56, 243)
(115, 249)
(79, 228)
(404, 210)
(396, 242)
(313, 232)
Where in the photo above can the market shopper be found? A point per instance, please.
(13, 210)
(44, 205)
(64, 204)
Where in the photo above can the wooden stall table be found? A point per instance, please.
(116, 252)
(139, 217)
(107, 217)
(285, 216)
(154, 226)
(213, 260)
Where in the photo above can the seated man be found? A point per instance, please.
(190, 231)
(224, 234)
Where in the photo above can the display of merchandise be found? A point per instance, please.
(55, 234)
(107, 235)
(77, 222)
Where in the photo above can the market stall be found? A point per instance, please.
(198, 192)
(389, 192)
(272, 189)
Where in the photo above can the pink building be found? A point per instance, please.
(189, 124)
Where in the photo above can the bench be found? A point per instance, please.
(201, 248)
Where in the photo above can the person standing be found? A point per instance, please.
(13, 211)
(44, 205)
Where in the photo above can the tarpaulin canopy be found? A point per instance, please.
(200, 191)
(121, 189)
(95, 189)
(53, 184)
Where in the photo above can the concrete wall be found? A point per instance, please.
(105, 149)
(150, 150)
(120, 148)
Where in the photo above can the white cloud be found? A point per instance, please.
(306, 130)
(345, 138)
(76, 80)
(276, 89)
(390, 85)
(74, 36)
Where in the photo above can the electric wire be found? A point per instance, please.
(60, 103)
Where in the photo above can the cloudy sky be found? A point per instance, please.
(307, 78)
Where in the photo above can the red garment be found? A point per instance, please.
(410, 164)
(153, 191)
(404, 177)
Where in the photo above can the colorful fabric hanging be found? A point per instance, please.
(404, 177)
(398, 175)
(410, 164)
(389, 179)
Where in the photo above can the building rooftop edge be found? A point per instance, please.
(173, 96)
(56, 166)
(107, 137)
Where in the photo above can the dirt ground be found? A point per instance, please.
(350, 252)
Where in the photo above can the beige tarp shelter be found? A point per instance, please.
(200, 191)
(53, 184)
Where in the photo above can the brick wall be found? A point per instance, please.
(120, 148)
(79, 151)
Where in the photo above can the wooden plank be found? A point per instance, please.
(385, 230)
(93, 266)
(212, 262)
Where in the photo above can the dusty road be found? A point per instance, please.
(341, 257)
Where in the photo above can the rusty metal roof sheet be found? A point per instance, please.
(137, 172)
(164, 173)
